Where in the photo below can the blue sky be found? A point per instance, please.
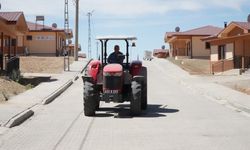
(146, 19)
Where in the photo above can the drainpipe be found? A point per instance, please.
(210, 59)
(9, 47)
(2, 51)
(15, 46)
(191, 48)
(57, 52)
(243, 57)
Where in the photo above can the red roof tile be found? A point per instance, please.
(245, 25)
(11, 16)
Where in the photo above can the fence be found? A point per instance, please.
(12, 64)
(222, 65)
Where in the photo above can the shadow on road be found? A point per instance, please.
(123, 111)
(34, 81)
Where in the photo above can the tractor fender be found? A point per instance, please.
(135, 68)
(87, 79)
(94, 68)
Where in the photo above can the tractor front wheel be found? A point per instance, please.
(90, 99)
(144, 97)
(135, 104)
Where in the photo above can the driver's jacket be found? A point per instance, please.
(116, 58)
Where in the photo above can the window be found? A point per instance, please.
(221, 52)
(6, 42)
(208, 46)
(13, 42)
(29, 37)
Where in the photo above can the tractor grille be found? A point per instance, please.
(112, 82)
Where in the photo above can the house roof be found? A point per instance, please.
(16, 19)
(244, 25)
(170, 34)
(39, 27)
(11, 16)
(202, 31)
(160, 51)
(205, 31)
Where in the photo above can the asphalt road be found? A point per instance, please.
(177, 119)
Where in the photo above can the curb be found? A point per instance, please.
(58, 92)
(84, 68)
(240, 107)
(26, 114)
(20, 118)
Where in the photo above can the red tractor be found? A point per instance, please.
(116, 82)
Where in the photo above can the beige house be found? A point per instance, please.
(231, 47)
(45, 40)
(12, 29)
(188, 44)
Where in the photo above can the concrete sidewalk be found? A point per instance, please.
(207, 86)
(45, 91)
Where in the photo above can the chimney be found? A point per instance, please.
(225, 24)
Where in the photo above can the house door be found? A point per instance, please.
(1, 60)
(237, 61)
(189, 49)
(221, 52)
(1, 51)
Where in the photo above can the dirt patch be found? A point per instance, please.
(31, 64)
(240, 85)
(9, 88)
(193, 66)
(35, 64)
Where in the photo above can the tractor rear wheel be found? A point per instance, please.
(90, 99)
(144, 101)
(135, 104)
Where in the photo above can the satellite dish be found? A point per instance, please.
(163, 47)
(54, 25)
(248, 18)
(177, 29)
(70, 41)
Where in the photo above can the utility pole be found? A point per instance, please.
(66, 29)
(76, 31)
(89, 14)
(97, 51)
(66, 16)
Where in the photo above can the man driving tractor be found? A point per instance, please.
(111, 80)
(116, 56)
